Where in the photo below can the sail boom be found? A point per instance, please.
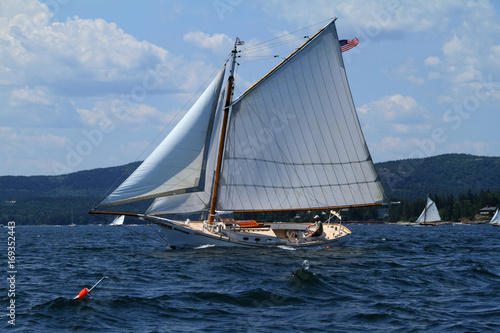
(306, 209)
(101, 212)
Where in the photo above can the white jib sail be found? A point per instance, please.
(430, 213)
(294, 140)
(496, 218)
(193, 201)
(178, 164)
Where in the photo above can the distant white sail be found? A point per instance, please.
(496, 218)
(178, 164)
(294, 140)
(430, 213)
(118, 220)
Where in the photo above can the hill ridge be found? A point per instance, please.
(52, 199)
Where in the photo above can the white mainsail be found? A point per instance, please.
(430, 213)
(496, 218)
(294, 140)
(178, 164)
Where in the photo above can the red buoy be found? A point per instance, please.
(86, 291)
(83, 293)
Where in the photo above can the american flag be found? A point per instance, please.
(347, 44)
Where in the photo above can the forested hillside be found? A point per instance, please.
(58, 199)
(455, 174)
(460, 183)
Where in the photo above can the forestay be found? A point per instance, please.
(179, 163)
(294, 140)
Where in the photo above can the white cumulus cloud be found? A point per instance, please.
(216, 42)
(396, 114)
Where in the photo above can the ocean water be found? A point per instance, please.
(389, 278)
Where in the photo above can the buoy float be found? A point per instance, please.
(86, 291)
(83, 293)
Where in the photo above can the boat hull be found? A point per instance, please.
(183, 235)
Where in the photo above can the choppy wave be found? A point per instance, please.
(389, 278)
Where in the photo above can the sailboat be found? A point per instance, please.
(118, 220)
(291, 142)
(430, 214)
(495, 221)
(72, 224)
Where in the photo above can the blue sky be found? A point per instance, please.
(89, 84)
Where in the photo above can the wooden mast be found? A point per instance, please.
(215, 192)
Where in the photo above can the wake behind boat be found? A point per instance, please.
(292, 142)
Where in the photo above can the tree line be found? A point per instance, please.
(62, 211)
(464, 207)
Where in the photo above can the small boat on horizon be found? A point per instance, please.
(118, 220)
(495, 220)
(429, 216)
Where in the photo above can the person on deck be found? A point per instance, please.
(316, 229)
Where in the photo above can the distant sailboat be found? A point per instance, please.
(495, 221)
(72, 224)
(430, 214)
(118, 220)
(292, 142)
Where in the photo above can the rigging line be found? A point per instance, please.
(269, 58)
(275, 54)
(263, 48)
(257, 56)
(278, 37)
(164, 239)
(142, 234)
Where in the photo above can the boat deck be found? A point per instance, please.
(251, 233)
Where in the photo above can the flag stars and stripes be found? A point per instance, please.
(347, 44)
